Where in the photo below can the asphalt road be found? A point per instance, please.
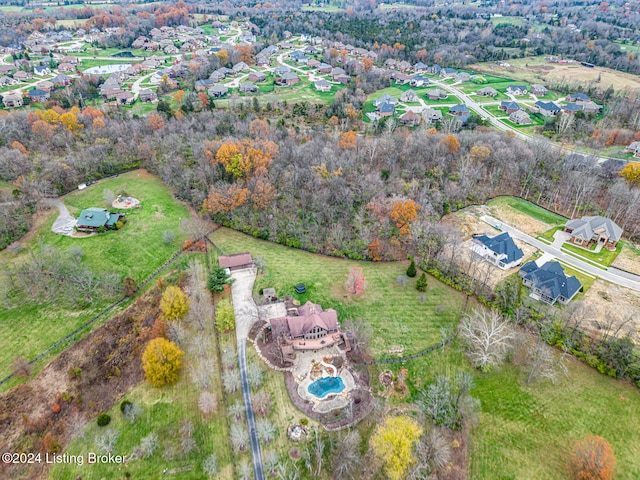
(610, 275)
(246, 314)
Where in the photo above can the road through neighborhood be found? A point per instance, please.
(609, 275)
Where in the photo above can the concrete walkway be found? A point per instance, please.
(246, 315)
(608, 275)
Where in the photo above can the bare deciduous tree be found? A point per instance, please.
(487, 335)
(239, 436)
(106, 442)
(346, 460)
(210, 464)
(207, 402)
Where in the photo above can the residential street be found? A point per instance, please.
(246, 314)
(610, 275)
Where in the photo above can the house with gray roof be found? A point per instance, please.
(634, 148)
(520, 117)
(499, 250)
(218, 91)
(386, 98)
(248, 87)
(593, 230)
(431, 115)
(549, 283)
(547, 109)
(487, 92)
(518, 90)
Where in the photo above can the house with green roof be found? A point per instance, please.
(91, 219)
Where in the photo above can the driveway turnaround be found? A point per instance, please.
(246, 314)
(610, 275)
(65, 222)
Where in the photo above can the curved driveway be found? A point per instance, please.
(65, 222)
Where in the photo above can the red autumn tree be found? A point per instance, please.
(356, 282)
(592, 459)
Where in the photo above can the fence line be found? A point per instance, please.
(411, 357)
(89, 322)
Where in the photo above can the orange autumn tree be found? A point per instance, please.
(451, 143)
(403, 213)
(243, 158)
(592, 458)
(16, 145)
(347, 140)
(204, 99)
(155, 121)
(225, 198)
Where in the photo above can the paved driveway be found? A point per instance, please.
(610, 275)
(246, 314)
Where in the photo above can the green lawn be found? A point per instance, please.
(395, 313)
(136, 250)
(605, 257)
(530, 209)
(548, 235)
(507, 20)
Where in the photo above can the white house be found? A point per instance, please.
(500, 250)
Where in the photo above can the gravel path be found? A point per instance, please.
(65, 222)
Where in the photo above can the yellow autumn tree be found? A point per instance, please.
(225, 316)
(161, 362)
(451, 143)
(174, 303)
(50, 116)
(70, 121)
(479, 154)
(393, 443)
(403, 213)
(631, 173)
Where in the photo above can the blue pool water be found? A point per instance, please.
(323, 387)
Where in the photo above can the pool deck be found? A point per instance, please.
(331, 401)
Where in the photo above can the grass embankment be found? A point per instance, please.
(604, 257)
(395, 312)
(530, 209)
(136, 250)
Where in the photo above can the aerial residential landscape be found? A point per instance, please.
(332, 239)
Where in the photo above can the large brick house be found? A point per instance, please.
(587, 231)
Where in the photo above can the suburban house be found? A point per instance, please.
(308, 327)
(341, 78)
(248, 87)
(409, 96)
(462, 77)
(257, 77)
(385, 109)
(237, 261)
(634, 148)
(571, 108)
(420, 67)
(91, 219)
(500, 250)
(418, 81)
(596, 230)
(448, 72)
(203, 84)
(12, 100)
(66, 67)
(487, 92)
(147, 95)
(590, 107)
(509, 106)
(539, 90)
(313, 63)
(41, 70)
(324, 68)
(577, 97)
(386, 98)
(549, 283)
(520, 117)
(21, 75)
(436, 94)
(434, 69)
(125, 98)
(322, 85)
(218, 91)
(459, 110)
(547, 109)
(410, 118)
(38, 95)
(431, 115)
(288, 78)
(517, 90)
(7, 81)
(62, 80)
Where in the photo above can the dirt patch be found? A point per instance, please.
(125, 202)
(608, 306)
(469, 223)
(628, 260)
(521, 221)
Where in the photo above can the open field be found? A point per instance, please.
(394, 312)
(136, 250)
(629, 258)
(537, 70)
(507, 20)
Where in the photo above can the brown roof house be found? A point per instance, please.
(410, 118)
(236, 261)
(309, 328)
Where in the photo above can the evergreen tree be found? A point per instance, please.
(421, 284)
(411, 271)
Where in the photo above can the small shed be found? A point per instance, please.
(236, 261)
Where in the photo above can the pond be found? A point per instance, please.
(325, 386)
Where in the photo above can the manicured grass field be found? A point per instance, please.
(548, 235)
(394, 312)
(136, 250)
(530, 209)
(605, 257)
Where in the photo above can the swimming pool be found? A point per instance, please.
(325, 386)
